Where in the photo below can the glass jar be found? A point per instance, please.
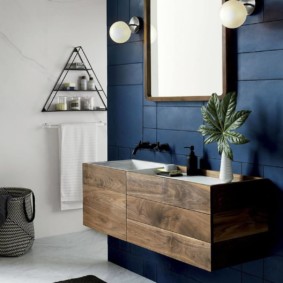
(61, 104)
(75, 103)
(88, 103)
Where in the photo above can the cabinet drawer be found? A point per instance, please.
(105, 211)
(104, 178)
(185, 222)
(165, 190)
(239, 223)
(186, 249)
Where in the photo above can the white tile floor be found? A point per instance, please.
(63, 257)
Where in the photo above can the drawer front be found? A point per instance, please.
(185, 222)
(239, 223)
(105, 211)
(169, 191)
(186, 249)
(104, 178)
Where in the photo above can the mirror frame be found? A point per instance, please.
(228, 66)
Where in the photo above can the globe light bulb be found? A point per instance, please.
(233, 14)
(120, 32)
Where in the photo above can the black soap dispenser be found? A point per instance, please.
(192, 162)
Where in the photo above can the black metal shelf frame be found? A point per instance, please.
(100, 109)
(79, 53)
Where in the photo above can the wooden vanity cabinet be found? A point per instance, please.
(208, 226)
(104, 200)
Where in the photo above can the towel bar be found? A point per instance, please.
(55, 126)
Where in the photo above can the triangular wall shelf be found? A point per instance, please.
(67, 95)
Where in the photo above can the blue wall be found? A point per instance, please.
(131, 119)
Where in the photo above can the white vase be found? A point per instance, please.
(226, 174)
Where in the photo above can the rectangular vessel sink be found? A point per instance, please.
(199, 179)
(130, 164)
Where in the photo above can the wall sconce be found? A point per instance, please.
(120, 32)
(233, 13)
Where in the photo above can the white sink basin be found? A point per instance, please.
(131, 164)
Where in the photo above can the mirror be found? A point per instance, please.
(185, 50)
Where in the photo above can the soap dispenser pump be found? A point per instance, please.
(192, 162)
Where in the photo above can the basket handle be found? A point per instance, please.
(33, 206)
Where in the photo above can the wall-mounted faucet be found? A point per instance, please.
(153, 146)
(162, 147)
(142, 145)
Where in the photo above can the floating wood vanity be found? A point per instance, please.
(196, 220)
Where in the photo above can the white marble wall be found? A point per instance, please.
(36, 39)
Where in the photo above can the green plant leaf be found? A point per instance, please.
(212, 138)
(208, 118)
(206, 130)
(237, 119)
(228, 107)
(236, 138)
(228, 152)
(221, 120)
(214, 110)
(223, 146)
(205, 116)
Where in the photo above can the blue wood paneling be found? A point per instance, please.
(112, 12)
(124, 153)
(149, 117)
(275, 174)
(136, 8)
(131, 74)
(123, 10)
(267, 37)
(247, 278)
(179, 118)
(260, 65)
(131, 118)
(149, 135)
(255, 268)
(273, 10)
(252, 169)
(127, 53)
(273, 269)
(178, 140)
(127, 122)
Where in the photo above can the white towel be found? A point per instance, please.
(78, 144)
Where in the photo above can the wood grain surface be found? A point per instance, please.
(104, 178)
(238, 223)
(165, 190)
(104, 200)
(206, 226)
(186, 249)
(105, 211)
(185, 222)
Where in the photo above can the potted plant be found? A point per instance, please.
(221, 120)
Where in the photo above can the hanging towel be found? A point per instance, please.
(77, 145)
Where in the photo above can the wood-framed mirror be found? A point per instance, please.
(192, 31)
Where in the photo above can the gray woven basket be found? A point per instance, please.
(17, 233)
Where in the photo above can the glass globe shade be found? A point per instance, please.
(120, 32)
(233, 14)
